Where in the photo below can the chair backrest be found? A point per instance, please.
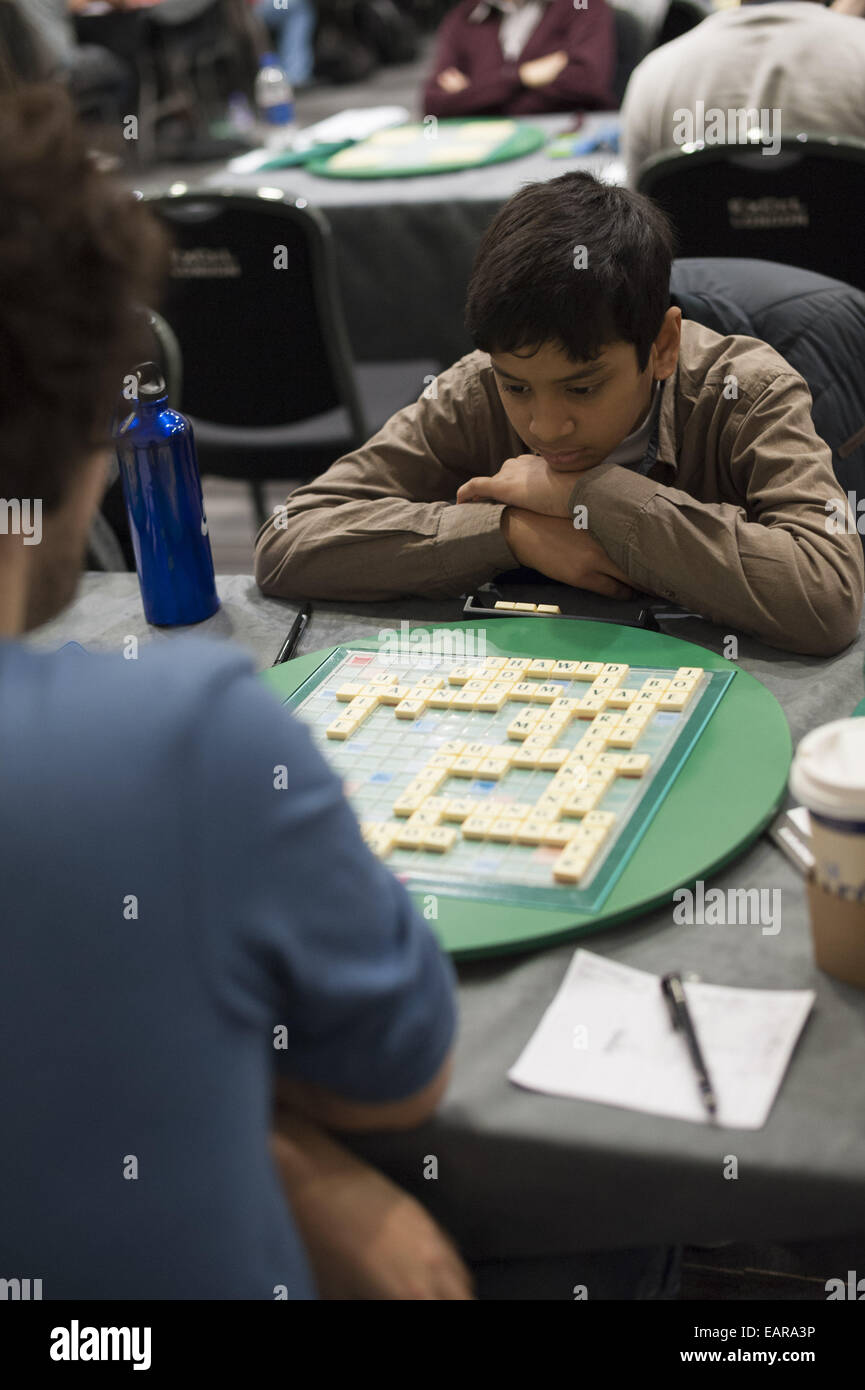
(253, 301)
(816, 324)
(802, 206)
(633, 41)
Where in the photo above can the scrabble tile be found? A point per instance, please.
(621, 698)
(465, 699)
(459, 808)
(552, 760)
(634, 764)
(545, 694)
(526, 607)
(383, 678)
(393, 694)
(505, 603)
(409, 709)
(559, 834)
(600, 820)
(342, 728)
(478, 825)
(571, 867)
(476, 685)
(439, 838)
(685, 672)
(349, 690)
(565, 704)
(495, 663)
(566, 670)
(590, 706)
(655, 683)
(583, 802)
(617, 668)
(605, 684)
(361, 706)
(430, 778)
(458, 675)
(683, 683)
(491, 769)
(601, 777)
(429, 812)
(519, 729)
(408, 803)
(527, 758)
(675, 700)
(442, 699)
(588, 670)
(491, 701)
(477, 750)
(541, 668)
(549, 807)
(502, 750)
(613, 760)
(505, 828)
(419, 692)
(453, 745)
(626, 738)
(411, 836)
(644, 707)
(445, 760)
(606, 720)
(549, 608)
(523, 690)
(517, 664)
(532, 831)
(464, 766)
(430, 682)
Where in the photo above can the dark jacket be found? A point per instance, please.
(586, 84)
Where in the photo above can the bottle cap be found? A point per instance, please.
(151, 382)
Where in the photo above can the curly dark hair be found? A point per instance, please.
(79, 258)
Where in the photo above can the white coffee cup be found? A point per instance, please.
(828, 776)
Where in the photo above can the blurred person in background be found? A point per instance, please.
(795, 57)
(519, 57)
(99, 80)
(293, 23)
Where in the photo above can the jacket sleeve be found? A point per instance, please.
(485, 92)
(380, 523)
(587, 78)
(779, 567)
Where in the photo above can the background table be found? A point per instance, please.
(522, 1174)
(404, 247)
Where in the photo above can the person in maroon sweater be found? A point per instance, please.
(518, 57)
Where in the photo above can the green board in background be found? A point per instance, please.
(410, 150)
(725, 794)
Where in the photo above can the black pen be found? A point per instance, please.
(296, 631)
(674, 992)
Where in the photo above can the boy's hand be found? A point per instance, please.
(452, 80)
(540, 71)
(524, 481)
(552, 546)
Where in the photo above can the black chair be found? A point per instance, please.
(633, 41)
(682, 16)
(803, 206)
(269, 379)
(816, 324)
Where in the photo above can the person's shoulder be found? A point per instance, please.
(465, 383)
(731, 363)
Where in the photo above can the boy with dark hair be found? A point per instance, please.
(613, 447)
(183, 943)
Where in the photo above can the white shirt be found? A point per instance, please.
(518, 23)
(802, 59)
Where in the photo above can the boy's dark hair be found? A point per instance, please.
(78, 259)
(572, 261)
(22, 55)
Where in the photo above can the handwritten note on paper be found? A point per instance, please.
(607, 1037)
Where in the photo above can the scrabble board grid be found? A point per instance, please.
(379, 760)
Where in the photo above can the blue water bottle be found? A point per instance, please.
(165, 506)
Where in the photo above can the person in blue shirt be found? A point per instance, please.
(184, 945)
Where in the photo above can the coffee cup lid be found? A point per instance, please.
(828, 773)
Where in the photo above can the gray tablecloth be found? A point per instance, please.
(521, 1174)
(404, 247)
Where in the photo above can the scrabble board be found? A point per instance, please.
(440, 147)
(508, 779)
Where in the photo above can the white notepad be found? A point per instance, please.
(607, 1037)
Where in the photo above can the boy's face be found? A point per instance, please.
(575, 413)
